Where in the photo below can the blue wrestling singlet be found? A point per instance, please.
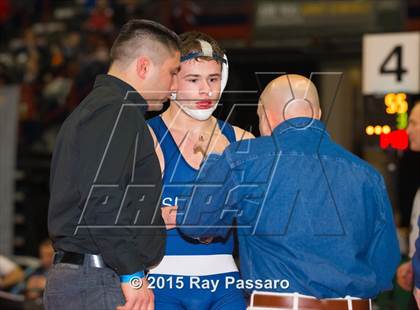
(192, 275)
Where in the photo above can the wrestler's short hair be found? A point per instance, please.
(140, 35)
(190, 44)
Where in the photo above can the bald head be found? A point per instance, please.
(286, 97)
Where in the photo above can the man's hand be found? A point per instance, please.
(405, 276)
(141, 298)
(169, 216)
(34, 286)
(205, 240)
(214, 143)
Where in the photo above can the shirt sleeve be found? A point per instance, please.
(384, 243)
(121, 184)
(209, 210)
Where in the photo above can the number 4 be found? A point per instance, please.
(399, 71)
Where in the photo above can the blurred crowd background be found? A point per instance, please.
(52, 51)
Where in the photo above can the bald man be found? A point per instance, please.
(314, 221)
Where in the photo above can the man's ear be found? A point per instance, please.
(272, 121)
(143, 67)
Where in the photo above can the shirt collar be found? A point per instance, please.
(126, 90)
(300, 123)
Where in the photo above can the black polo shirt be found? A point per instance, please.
(106, 181)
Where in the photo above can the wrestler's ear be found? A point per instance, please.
(143, 65)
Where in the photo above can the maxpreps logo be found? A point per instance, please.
(122, 208)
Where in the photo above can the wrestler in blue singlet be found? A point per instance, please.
(179, 282)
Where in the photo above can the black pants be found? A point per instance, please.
(82, 287)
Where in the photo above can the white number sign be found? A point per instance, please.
(391, 63)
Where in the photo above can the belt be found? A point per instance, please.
(91, 260)
(308, 303)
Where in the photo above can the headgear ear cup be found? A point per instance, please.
(225, 74)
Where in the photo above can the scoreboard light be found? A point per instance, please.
(402, 120)
(386, 129)
(370, 130)
(397, 139)
(396, 103)
(377, 130)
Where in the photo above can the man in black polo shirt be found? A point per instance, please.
(104, 214)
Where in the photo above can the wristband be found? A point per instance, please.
(126, 278)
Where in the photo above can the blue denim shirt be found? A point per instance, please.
(307, 211)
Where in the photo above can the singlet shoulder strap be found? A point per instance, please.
(167, 144)
(227, 130)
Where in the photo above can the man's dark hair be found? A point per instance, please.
(140, 34)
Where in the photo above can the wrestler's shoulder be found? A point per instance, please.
(242, 134)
